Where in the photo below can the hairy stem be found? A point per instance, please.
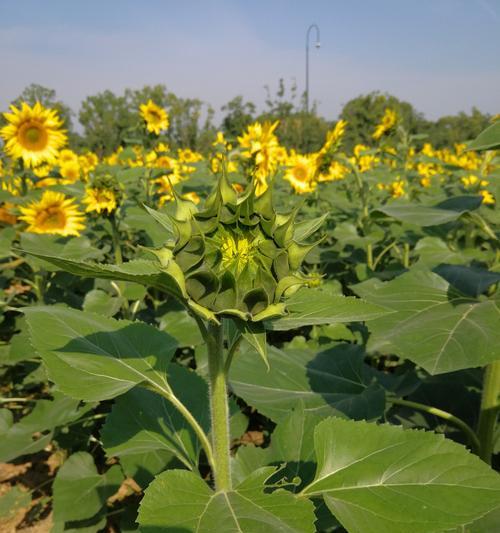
(221, 439)
(115, 235)
(467, 430)
(490, 405)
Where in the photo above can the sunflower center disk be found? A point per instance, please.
(33, 137)
(51, 218)
(237, 252)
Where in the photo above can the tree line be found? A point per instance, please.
(109, 120)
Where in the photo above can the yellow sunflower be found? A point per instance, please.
(387, 123)
(301, 173)
(155, 116)
(54, 214)
(33, 134)
(100, 200)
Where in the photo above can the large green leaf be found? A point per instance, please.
(424, 215)
(92, 357)
(432, 324)
(335, 381)
(383, 479)
(488, 139)
(80, 492)
(308, 307)
(142, 271)
(142, 421)
(179, 500)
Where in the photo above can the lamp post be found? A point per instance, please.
(318, 44)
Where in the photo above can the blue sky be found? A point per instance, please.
(443, 56)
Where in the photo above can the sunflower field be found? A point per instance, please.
(249, 339)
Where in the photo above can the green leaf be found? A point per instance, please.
(304, 229)
(333, 382)
(178, 500)
(488, 139)
(75, 248)
(309, 307)
(423, 215)
(182, 327)
(255, 335)
(383, 479)
(101, 303)
(432, 324)
(291, 442)
(471, 281)
(142, 271)
(91, 357)
(142, 421)
(79, 491)
(17, 439)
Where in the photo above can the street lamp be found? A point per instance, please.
(318, 44)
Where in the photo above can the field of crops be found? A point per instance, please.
(251, 338)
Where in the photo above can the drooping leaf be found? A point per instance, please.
(383, 479)
(80, 492)
(141, 271)
(142, 421)
(488, 139)
(308, 307)
(179, 500)
(432, 324)
(91, 357)
(471, 281)
(335, 381)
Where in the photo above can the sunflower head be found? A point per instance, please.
(235, 257)
(156, 117)
(387, 122)
(53, 214)
(104, 195)
(33, 134)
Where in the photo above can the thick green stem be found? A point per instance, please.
(221, 439)
(490, 405)
(467, 430)
(115, 235)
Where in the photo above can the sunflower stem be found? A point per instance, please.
(490, 406)
(219, 407)
(445, 415)
(115, 235)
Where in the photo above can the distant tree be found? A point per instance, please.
(105, 118)
(239, 115)
(304, 131)
(110, 120)
(365, 111)
(457, 128)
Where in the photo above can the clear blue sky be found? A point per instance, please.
(443, 56)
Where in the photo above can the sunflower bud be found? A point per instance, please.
(236, 257)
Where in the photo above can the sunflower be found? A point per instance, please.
(387, 123)
(100, 200)
(156, 117)
(301, 173)
(33, 134)
(54, 214)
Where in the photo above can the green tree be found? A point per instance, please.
(365, 111)
(105, 118)
(304, 131)
(457, 128)
(239, 115)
